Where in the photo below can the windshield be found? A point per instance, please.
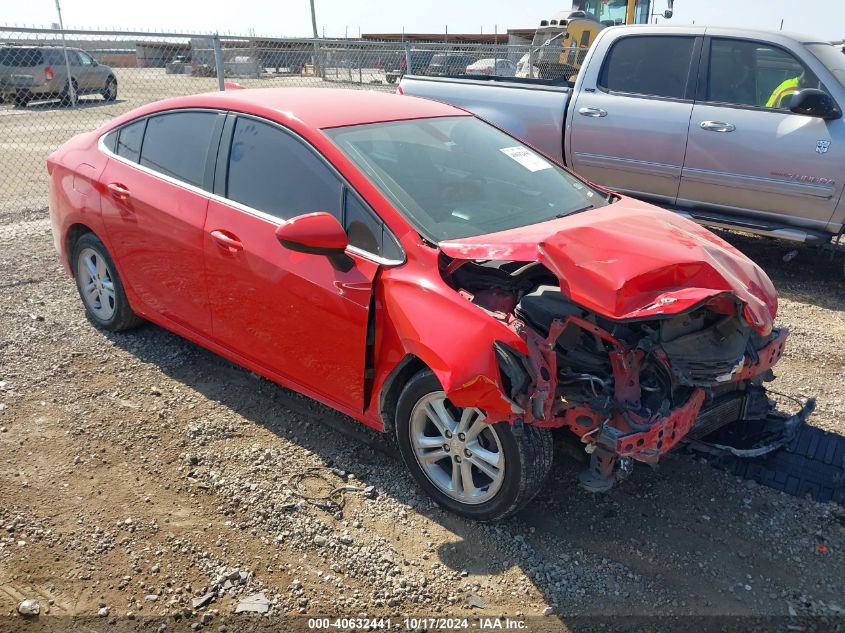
(832, 57)
(455, 177)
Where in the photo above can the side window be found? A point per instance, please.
(176, 144)
(272, 171)
(85, 58)
(649, 65)
(368, 232)
(110, 141)
(53, 57)
(129, 140)
(73, 58)
(364, 230)
(753, 74)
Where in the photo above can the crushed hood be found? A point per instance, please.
(631, 260)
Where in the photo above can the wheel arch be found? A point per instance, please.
(392, 387)
(72, 235)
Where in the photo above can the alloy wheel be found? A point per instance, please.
(96, 283)
(456, 449)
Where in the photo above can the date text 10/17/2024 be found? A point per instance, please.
(418, 623)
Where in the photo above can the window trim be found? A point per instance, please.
(704, 76)
(692, 72)
(223, 143)
(221, 180)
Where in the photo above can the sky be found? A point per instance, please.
(337, 18)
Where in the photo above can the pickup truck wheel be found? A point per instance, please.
(100, 287)
(478, 470)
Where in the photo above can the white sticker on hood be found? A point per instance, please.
(526, 158)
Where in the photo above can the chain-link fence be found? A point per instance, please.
(55, 84)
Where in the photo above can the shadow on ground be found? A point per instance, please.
(682, 539)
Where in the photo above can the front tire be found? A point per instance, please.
(100, 287)
(478, 470)
(109, 92)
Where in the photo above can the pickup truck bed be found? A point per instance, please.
(686, 117)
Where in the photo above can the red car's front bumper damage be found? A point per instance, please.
(616, 431)
(634, 327)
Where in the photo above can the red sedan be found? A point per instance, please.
(421, 271)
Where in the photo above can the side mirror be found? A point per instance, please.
(317, 233)
(668, 13)
(814, 102)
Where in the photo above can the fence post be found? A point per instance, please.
(408, 70)
(218, 62)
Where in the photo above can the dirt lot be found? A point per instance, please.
(138, 471)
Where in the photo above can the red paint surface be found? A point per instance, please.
(218, 276)
(631, 260)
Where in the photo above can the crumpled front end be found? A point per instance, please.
(631, 380)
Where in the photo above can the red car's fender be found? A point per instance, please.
(419, 315)
(75, 191)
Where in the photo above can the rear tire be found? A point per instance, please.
(66, 98)
(100, 287)
(109, 92)
(22, 99)
(477, 470)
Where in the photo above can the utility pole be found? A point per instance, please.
(70, 89)
(317, 70)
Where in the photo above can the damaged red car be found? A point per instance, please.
(423, 272)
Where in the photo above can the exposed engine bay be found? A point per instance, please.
(630, 389)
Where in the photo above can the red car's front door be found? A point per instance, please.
(292, 313)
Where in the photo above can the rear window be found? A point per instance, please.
(656, 66)
(129, 140)
(176, 144)
(20, 56)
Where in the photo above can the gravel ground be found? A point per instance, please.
(146, 482)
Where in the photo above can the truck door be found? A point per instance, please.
(628, 128)
(747, 153)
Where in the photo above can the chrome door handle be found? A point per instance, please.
(717, 126)
(592, 112)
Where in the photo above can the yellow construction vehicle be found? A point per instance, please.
(560, 43)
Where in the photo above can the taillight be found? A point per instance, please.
(403, 64)
(399, 90)
(48, 72)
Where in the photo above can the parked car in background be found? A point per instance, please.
(492, 67)
(445, 64)
(29, 73)
(734, 128)
(420, 59)
(421, 271)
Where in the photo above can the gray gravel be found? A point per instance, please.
(142, 475)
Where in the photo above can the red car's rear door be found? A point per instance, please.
(154, 210)
(293, 313)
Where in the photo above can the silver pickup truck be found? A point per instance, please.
(734, 128)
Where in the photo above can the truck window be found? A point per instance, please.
(656, 66)
(753, 74)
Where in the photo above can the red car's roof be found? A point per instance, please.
(317, 107)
